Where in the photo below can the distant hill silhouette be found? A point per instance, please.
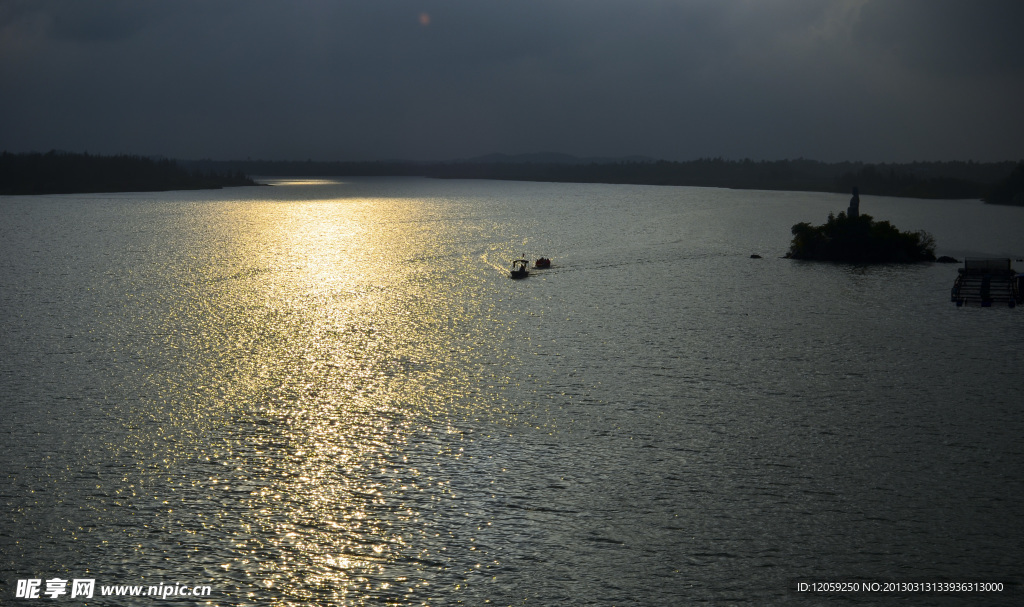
(551, 158)
(69, 173)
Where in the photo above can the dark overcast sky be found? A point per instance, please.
(873, 80)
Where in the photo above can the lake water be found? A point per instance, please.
(330, 393)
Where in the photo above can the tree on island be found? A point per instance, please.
(858, 238)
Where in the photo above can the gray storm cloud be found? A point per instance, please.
(876, 80)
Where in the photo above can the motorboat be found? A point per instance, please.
(542, 263)
(520, 269)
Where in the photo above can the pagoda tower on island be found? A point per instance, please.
(854, 211)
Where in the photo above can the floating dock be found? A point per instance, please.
(985, 282)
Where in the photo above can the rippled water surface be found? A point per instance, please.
(330, 393)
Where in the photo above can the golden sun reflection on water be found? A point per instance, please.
(355, 365)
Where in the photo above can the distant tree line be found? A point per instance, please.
(1009, 190)
(919, 179)
(64, 173)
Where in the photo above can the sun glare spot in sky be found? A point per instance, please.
(424, 19)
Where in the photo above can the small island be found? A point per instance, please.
(855, 238)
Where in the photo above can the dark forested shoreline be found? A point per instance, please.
(69, 173)
(62, 172)
(948, 180)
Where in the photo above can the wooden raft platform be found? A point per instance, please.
(985, 282)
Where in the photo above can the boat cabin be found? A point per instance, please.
(520, 269)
